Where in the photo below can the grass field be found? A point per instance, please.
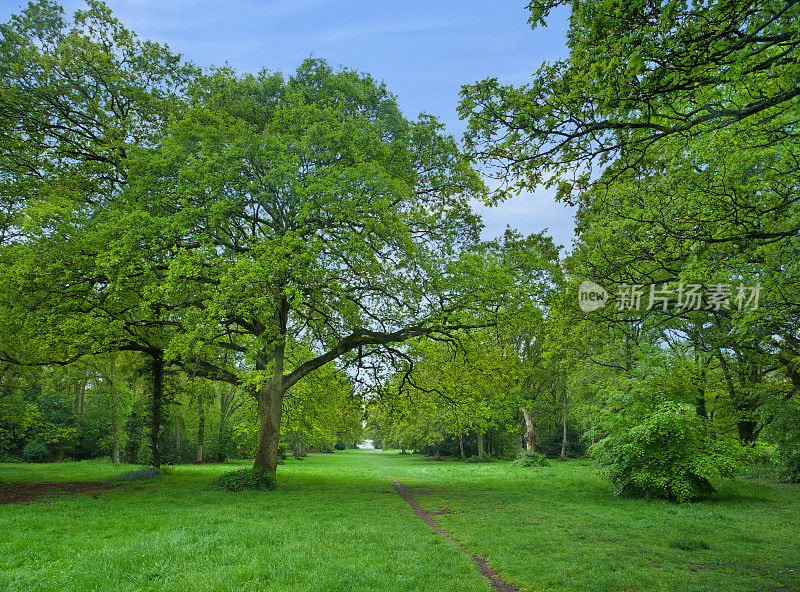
(335, 523)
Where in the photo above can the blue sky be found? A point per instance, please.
(424, 51)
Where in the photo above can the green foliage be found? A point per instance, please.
(666, 126)
(667, 456)
(531, 459)
(226, 446)
(169, 451)
(134, 430)
(93, 433)
(477, 459)
(35, 451)
(784, 432)
(16, 421)
(246, 479)
(637, 73)
(550, 444)
(791, 472)
(760, 461)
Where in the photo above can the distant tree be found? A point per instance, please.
(672, 127)
(75, 98)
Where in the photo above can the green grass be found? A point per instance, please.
(335, 524)
(561, 528)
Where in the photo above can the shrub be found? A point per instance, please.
(760, 461)
(476, 459)
(531, 459)
(93, 437)
(791, 473)
(439, 457)
(170, 452)
(550, 444)
(666, 456)
(35, 451)
(245, 479)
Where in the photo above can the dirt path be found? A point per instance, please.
(494, 578)
(14, 493)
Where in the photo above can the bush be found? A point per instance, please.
(170, 452)
(245, 479)
(665, 456)
(550, 444)
(35, 451)
(531, 459)
(760, 461)
(476, 459)
(93, 437)
(439, 457)
(791, 473)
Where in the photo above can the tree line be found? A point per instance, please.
(300, 246)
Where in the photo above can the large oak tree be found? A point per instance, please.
(306, 215)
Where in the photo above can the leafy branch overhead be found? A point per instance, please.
(638, 73)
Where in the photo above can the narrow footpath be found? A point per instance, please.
(494, 578)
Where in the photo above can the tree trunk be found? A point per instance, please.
(480, 443)
(700, 400)
(201, 428)
(461, 443)
(530, 432)
(628, 355)
(564, 424)
(80, 393)
(157, 405)
(270, 407)
(221, 456)
(223, 424)
(270, 396)
(298, 449)
(114, 420)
